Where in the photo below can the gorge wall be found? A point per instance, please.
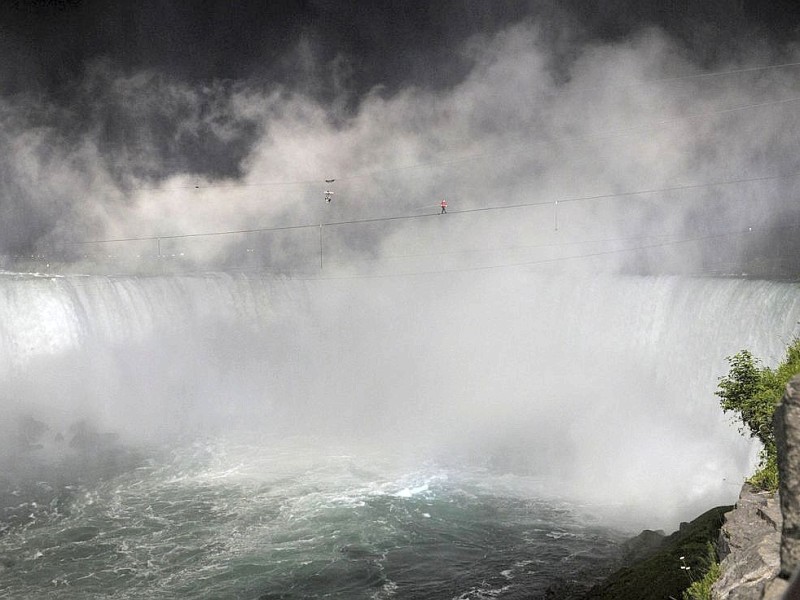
(760, 540)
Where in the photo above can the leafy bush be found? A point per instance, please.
(766, 476)
(753, 392)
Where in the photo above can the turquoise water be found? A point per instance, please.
(226, 519)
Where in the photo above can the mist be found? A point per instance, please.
(509, 332)
(143, 155)
(598, 389)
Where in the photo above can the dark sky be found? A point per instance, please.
(159, 88)
(50, 41)
(47, 44)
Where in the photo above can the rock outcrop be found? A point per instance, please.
(761, 536)
(749, 546)
(648, 542)
(787, 440)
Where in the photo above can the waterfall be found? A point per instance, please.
(602, 384)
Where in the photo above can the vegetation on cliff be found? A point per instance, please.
(680, 562)
(700, 589)
(753, 392)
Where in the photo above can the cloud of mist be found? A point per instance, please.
(601, 388)
(471, 366)
(143, 156)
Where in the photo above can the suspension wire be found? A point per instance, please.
(432, 214)
(287, 276)
(548, 260)
(514, 248)
(707, 75)
(254, 230)
(675, 188)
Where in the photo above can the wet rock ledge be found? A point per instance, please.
(749, 546)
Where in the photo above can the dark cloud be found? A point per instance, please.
(102, 102)
(155, 127)
(388, 43)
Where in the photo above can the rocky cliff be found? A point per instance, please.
(760, 540)
(748, 547)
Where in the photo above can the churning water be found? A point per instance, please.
(242, 520)
(452, 436)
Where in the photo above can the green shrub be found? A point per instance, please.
(766, 476)
(753, 393)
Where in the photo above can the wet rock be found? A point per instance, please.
(748, 546)
(787, 440)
